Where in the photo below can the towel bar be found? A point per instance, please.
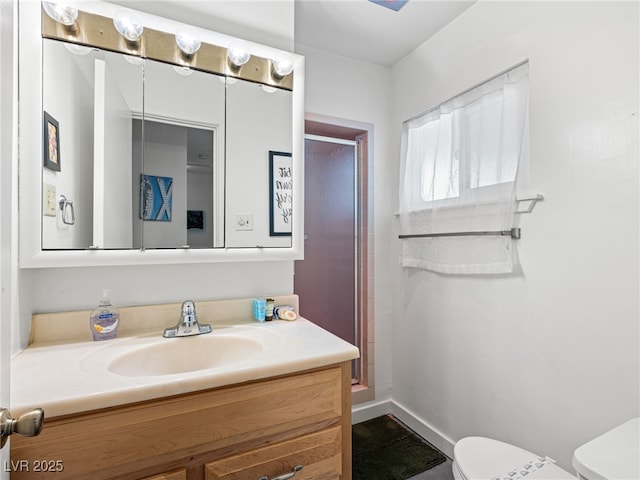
(513, 233)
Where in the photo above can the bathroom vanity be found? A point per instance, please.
(245, 431)
(282, 407)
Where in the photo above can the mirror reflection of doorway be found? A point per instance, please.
(185, 154)
(331, 280)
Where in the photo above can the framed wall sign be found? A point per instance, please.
(51, 143)
(280, 193)
(156, 198)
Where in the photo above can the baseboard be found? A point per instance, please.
(426, 431)
(367, 411)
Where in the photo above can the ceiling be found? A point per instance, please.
(358, 29)
(364, 31)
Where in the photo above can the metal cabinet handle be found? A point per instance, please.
(286, 476)
(27, 425)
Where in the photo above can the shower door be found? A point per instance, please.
(326, 280)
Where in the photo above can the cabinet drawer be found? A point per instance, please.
(320, 455)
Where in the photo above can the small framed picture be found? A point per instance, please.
(156, 198)
(195, 220)
(280, 194)
(51, 143)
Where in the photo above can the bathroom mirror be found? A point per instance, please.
(96, 186)
(79, 84)
(139, 152)
(259, 182)
(179, 183)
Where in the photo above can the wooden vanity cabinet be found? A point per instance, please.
(250, 431)
(177, 475)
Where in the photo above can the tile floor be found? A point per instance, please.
(439, 472)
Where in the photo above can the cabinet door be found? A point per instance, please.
(177, 475)
(137, 437)
(318, 453)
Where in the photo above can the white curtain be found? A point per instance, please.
(459, 173)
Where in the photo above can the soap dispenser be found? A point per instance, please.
(104, 319)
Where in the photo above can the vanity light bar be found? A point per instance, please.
(98, 31)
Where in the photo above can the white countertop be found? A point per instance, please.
(65, 378)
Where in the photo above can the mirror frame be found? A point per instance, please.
(30, 195)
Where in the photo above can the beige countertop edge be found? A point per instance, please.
(102, 400)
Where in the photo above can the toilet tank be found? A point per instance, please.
(614, 455)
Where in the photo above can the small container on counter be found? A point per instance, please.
(104, 320)
(285, 312)
(259, 309)
(269, 309)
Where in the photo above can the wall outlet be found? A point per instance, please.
(48, 200)
(244, 222)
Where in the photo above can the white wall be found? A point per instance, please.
(59, 290)
(548, 357)
(353, 91)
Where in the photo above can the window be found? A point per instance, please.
(460, 161)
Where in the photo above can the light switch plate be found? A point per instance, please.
(244, 222)
(48, 200)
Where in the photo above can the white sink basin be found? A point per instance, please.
(170, 356)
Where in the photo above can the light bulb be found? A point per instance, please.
(61, 13)
(184, 71)
(282, 64)
(188, 40)
(77, 49)
(239, 53)
(128, 25)
(137, 61)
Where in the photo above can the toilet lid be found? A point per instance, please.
(485, 458)
(614, 454)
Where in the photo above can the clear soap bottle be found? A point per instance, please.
(104, 319)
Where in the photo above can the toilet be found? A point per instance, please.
(615, 455)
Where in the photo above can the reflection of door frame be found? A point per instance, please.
(217, 161)
(358, 133)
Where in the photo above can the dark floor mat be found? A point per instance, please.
(385, 450)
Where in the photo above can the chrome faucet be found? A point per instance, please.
(188, 324)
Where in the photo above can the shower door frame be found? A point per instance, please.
(361, 134)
